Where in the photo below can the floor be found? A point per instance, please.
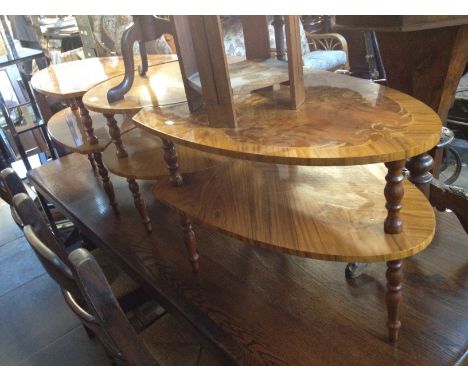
(38, 328)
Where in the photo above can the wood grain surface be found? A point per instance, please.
(249, 75)
(162, 85)
(261, 307)
(318, 212)
(66, 129)
(343, 121)
(74, 78)
(145, 158)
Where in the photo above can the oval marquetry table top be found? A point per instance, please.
(146, 157)
(74, 78)
(161, 86)
(343, 121)
(317, 212)
(66, 129)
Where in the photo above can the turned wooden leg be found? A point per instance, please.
(190, 243)
(393, 297)
(91, 161)
(170, 156)
(114, 132)
(87, 122)
(419, 168)
(394, 194)
(140, 204)
(108, 187)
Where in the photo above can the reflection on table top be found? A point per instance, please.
(344, 121)
(74, 78)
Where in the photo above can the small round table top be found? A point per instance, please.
(66, 129)
(161, 86)
(145, 158)
(327, 213)
(344, 121)
(74, 78)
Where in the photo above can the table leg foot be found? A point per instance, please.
(393, 195)
(106, 182)
(114, 132)
(140, 204)
(170, 156)
(354, 270)
(190, 243)
(393, 297)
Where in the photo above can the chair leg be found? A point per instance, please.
(393, 297)
(108, 187)
(190, 243)
(91, 161)
(140, 204)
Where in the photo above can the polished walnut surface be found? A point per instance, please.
(327, 213)
(261, 307)
(145, 158)
(74, 78)
(162, 85)
(343, 121)
(66, 128)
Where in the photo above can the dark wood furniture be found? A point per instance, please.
(263, 307)
(424, 56)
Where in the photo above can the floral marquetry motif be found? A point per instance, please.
(343, 121)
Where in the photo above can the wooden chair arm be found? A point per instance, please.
(100, 299)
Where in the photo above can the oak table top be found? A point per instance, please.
(261, 307)
(66, 128)
(74, 78)
(162, 85)
(145, 158)
(344, 121)
(317, 212)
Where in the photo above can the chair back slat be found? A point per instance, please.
(99, 297)
(44, 244)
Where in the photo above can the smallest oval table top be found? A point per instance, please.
(74, 78)
(161, 86)
(344, 121)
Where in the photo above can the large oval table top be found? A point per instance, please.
(162, 85)
(327, 213)
(74, 78)
(344, 121)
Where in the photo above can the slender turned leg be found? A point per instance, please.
(393, 297)
(108, 187)
(87, 122)
(140, 204)
(394, 194)
(419, 168)
(114, 132)
(170, 156)
(190, 243)
(91, 160)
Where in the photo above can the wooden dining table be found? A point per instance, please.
(260, 307)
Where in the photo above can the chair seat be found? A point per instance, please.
(170, 343)
(325, 59)
(121, 283)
